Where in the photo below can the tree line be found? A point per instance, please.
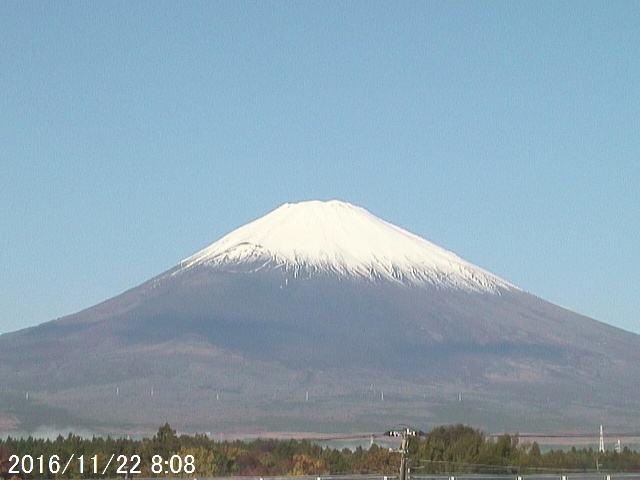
(445, 449)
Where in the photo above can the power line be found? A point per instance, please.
(566, 435)
(496, 467)
(348, 437)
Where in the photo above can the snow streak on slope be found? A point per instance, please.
(338, 238)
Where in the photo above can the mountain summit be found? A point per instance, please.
(338, 238)
(320, 317)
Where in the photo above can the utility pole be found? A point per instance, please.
(404, 448)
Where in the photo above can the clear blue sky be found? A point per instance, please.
(133, 134)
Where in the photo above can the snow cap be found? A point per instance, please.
(339, 238)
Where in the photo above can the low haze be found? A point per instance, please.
(135, 134)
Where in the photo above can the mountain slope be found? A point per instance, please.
(322, 300)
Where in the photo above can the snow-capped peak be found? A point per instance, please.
(336, 237)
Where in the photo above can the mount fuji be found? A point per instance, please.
(320, 317)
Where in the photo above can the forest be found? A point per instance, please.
(446, 449)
